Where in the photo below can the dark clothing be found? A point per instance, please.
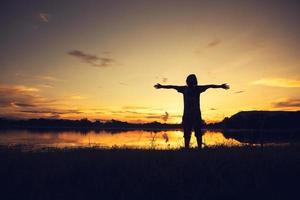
(191, 118)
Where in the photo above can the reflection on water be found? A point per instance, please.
(123, 139)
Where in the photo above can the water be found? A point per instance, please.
(170, 139)
(104, 139)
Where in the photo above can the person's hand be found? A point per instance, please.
(158, 86)
(225, 86)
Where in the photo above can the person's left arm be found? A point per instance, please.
(224, 86)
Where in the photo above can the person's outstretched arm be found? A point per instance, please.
(222, 86)
(159, 86)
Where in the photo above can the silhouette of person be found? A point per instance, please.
(191, 119)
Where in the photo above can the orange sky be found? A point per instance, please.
(100, 59)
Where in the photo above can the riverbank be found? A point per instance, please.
(212, 173)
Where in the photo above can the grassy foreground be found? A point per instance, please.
(214, 173)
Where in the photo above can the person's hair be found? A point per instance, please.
(191, 80)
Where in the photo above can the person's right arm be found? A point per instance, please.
(159, 86)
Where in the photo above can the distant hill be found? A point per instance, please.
(81, 124)
(261, 120)
(242, 120)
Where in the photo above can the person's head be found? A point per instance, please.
(191, 80)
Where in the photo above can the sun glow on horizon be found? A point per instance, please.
(49, 70)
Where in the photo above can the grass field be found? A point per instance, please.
(213, 173)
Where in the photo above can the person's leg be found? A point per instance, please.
(198, 134)
(187, 132)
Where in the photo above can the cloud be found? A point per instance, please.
(20, 96)
(13, 99)
(46, 85)
(77, 97)
(43, 17)
(164, 80)
(26, 102)
(240, 91)
(287, 103)
(22, 104)
(28, 77)
(165, 117)
(209, 45)
(142, 113)
(278, 82)
(43, 81)
(17, 88)
(56, 112)
(91, 59)
(47, 78)
(135, 107)
(213, 43)
(122, 83)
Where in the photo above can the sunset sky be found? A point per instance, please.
(100, 59)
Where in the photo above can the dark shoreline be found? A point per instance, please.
(213, 173)
(232, 130)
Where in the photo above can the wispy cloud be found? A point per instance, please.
(287, 103)
(92, 59)
(16, 104)
(213, 43)
(161, 79)
(26, 102)
(17, 88)
(239, 92)
(144, 113)
(122, 83)
(46, 86)
(47, 78)
(159, 117)
(19, 96)
(278, 82)
(77, 97)
(135, 107)
(52, 111)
